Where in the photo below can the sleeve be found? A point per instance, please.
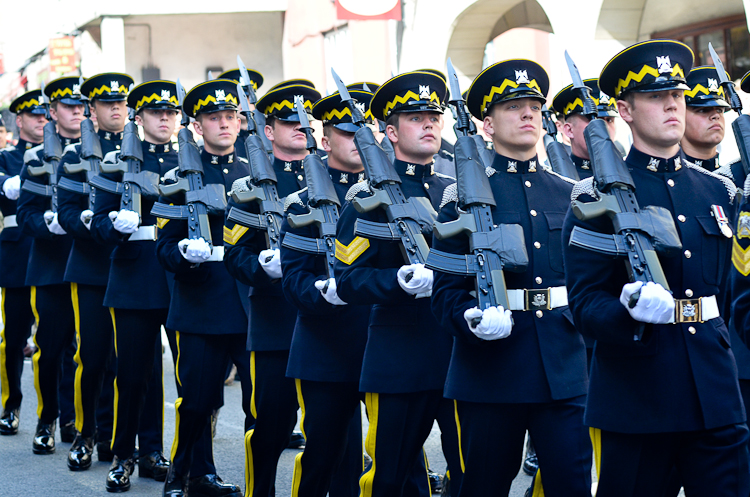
(70, 204)
(102, 229)
(171, 231)
(241, 248)
(740, 274)
(31, 209)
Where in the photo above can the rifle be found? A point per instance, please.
(405, 216)
(558, 157)
(199, 197)
(493, 248)
(741, 125)
(51, 153)
(259, 186)
(639, 232)
(485, 155)
(322, 202)
(259, 120)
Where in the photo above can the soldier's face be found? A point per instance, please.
(515, 127)
(342, 153)
(110, 115)
(657, 119)
(418, 136)
(158, 124)
(31, 126)
(574, 127)
(704, 126)
(68, 119)
(287, 137)
(219, 130)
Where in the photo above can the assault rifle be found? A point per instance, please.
(558, 158)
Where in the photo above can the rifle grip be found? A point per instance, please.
(180, 186)
(116, 167)
(379, 198)
(464, 223)
(591, 210)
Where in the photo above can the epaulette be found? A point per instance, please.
(70, 148)
(564, 178)
(444, 176)
(450, 194)
(728, 184)
(32, 154)
(362, 186)
(293, 198)
(112, 157)
(170, 175)
(584, 187)
(726, 171)
(242, 159)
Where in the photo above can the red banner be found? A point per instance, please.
(62, 55)
(368, 10)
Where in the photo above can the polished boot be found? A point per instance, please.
(212, 486)
(81, 452)
(118, 479)
(68, 432)
(44, 438)
(296, 440)
(9, 422)
(153, 465)
(174, 485)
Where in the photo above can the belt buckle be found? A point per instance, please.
(537, 299)
(688, 311)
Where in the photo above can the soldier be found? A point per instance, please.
(407, 352)
(206, 308)
(14, 255)
(671, 397)
(272, 317)
(522, 368)
(256, 80)
(567, 104)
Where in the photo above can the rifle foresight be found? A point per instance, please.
(549, 125)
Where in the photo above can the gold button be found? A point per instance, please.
(161, 159)
(299, 177)
(688, 293)
(691, 329)
(537, 245)
(528, 184)
(538, 280)
(426, 186)
(670, 182)
(539, 314)
(688, 255)
(533, 212)
(226, 171)
(117, 147)
(681, 218)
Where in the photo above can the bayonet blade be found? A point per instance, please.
(574, 73)
(244, 76)
(718, 64)
(365, 87)
(244, 102)
(341, 87)
(180, 94)
(453, 80)
(210, 75)
(299, 105)
(43, 97)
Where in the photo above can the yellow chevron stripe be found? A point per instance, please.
(702, 89)
(233, 236)
(285, 104)
(161, 222)
(349, 253)
(576, 103)
(152, 97)
(339, 114)
(106, 89)
(638, 77)
(61, 93)
(741, 258)
(211, 99)
(28, 103)
(495, 90)
(402, 99)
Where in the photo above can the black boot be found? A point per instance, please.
(9, 422)
(153, 465)
(44, 438)
(81, 452)
(68, 432)
(118, 479)
(212, 486)
(175, 485)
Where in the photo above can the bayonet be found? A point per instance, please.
(589, 106)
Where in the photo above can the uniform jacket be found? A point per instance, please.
(583, 167)
(678, 377)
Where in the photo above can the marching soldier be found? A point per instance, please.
(522, 368)
(407, 352)
(14, 256)
(272, 317)
(256, 80)
(206, 308)
(704, 119)
(670, 397)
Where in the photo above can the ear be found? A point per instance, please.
(19, 121)
(392, 133)
(53, 113)
(567, 129)
(325, 143)
(138, 120)
(268, 130)
(489, 127)
(623, 107)
(197, 127)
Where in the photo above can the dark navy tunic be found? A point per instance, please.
(583, 167)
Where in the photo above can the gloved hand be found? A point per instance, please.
(328, 291)
(125, 221)
(52, 225)
(270, 261)
(194, 250)
(655, 305)
(86, 217)
(420, 280)
(12, 187)
(495, 322)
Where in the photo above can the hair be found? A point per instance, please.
(392, 120)
(327, 130)
(53, 105)
(629, 97)
(271, 121)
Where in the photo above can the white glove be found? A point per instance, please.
(420, 280)
(126, 221)
(194, 250)
(328, 291)
(495, 322)
(86, 217)
(655, 305)
(52, 225)
(270, 261)
(12, 187)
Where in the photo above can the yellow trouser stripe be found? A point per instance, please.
(366, 482)
(177, 362)
(253, 410)
(596, 442)
(78, 395)
(175, 443)
(249, 469)
(35, 357)
(458, 429)
(117, 393)
(427, 470)
(538, 488)
(297, 473)
(4, 384)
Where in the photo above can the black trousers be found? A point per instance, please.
(17, 318)
(67, 385)
(492, 437)
(53, 312)
(332, 424)
(201, 371)
(275, 409)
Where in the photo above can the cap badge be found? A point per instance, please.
(603, 98)
(653, 164)
(344, 178)
(360, 177)
(165, 94)
(361, 107)
(713, 85)
(522, 77)
(76, 89)
(424, 92)
(411, 169)
(220, 95)
(114, 86)
(512, 166)
(664, 64)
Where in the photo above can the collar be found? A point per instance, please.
(581, 163)
(287, 166)
(154, 148)
(505, 164)
(639, 160)
(708, 164)
(207, 158)
(344, 177)
(24, 145)
(106, 135)
(408, 169)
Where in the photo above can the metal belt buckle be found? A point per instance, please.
(688, 311)
(537, 299)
